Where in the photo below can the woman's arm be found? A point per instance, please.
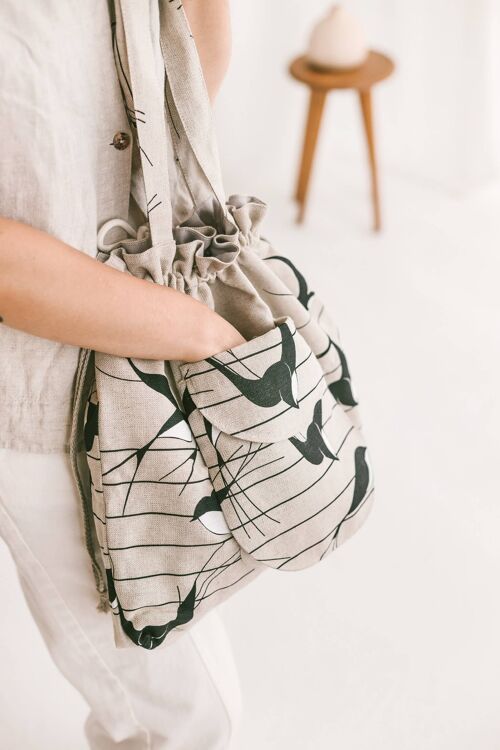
(52, 290)
(49, 289)
(210, 23)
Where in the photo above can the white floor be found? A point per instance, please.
(399, 647)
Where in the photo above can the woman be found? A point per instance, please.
(68, 163)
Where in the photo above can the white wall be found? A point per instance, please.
(392, 644)
(438, 118)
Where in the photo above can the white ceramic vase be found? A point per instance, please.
(337, 41)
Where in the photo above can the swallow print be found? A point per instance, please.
(209, 513)
(315, 447)
(151, 636)
(304, 294)
(91, 425)
(341, 389)
(279, 382)
(234, 463)
(175, 426)
(363, 478)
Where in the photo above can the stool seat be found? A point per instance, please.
(321, 81)
(375, 68)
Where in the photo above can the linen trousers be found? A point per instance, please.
(185, 696)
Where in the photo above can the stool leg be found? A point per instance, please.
(366, 109)
(316, 106)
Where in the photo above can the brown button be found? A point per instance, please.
(121, 141)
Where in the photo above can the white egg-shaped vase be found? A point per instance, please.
(337, 41)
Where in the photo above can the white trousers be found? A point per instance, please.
(181, 697)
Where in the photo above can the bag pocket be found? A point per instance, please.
(287, 464)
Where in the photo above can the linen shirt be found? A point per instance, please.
(68, 163)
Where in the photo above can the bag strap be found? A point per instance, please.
(144, 101)
(188, 107)
(178, 101)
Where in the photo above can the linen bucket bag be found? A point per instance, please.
(204, 474)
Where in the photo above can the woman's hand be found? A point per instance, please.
(51, 290)
(222, 335)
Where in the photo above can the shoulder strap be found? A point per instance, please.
(178, 102)
(144, 99)
(188, 106)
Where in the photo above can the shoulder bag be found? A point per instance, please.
(196, 477)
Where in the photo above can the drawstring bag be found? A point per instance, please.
(195, 477)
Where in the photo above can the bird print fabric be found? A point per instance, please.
(278, 446)
(203, 475)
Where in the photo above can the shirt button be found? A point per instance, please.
(121, 140)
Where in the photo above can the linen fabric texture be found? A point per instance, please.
(185, 697)
(203, 475)
(60, 107)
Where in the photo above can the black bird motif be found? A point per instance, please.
(279, 382)
(156, 381)
(210, 506)
(152, 636)
(160, 384)
(304, 294)
(316, 446)
(362, 480)
(341, 389)
(91, 425)
(208, 510)
(175, 426)
(209, 513)
(187, 403)
(213, 433)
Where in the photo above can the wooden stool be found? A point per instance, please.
(321, 82)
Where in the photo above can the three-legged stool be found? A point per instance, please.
(321, 82)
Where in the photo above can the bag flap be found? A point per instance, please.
(263, 390)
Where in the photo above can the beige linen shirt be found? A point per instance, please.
(68, 163)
